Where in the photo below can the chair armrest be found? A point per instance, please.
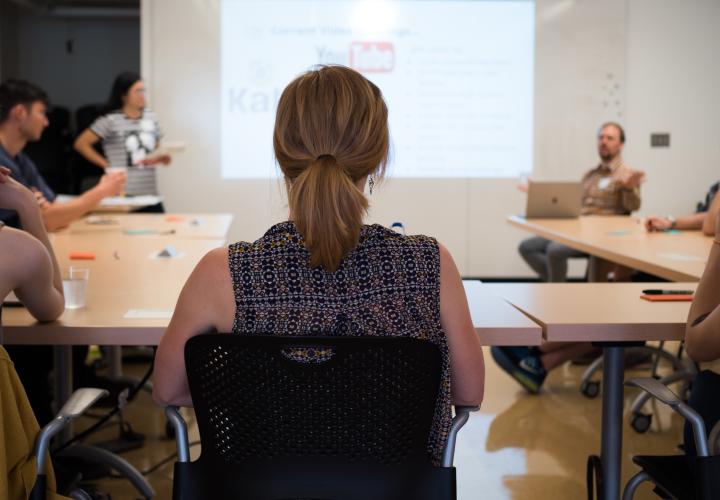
(79, 402)
(665, 395)
(181, 435)
(462, 414)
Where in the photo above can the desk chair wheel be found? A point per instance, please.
(590, 389)
(640, 422)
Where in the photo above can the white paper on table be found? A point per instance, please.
(11, 298)
(148, 314)
(119, 201)
(682, 257)
(131, 201)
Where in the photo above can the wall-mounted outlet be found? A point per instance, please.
(660, 140)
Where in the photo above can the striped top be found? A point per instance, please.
(125, 142)
(389, 285)
(603, 194)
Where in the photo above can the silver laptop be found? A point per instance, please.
(547, 200)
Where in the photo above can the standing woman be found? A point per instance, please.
(129, 132)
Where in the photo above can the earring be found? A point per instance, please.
(371, 183)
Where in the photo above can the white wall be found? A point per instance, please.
(102, 47)
(646, 63)
(673, 68)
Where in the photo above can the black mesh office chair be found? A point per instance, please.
(344, 418)
(679, 476)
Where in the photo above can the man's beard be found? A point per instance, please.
(607, 157)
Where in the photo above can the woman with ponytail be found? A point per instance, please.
(323, 272)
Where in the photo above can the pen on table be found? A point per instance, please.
(656, 291)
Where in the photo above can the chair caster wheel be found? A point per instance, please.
(590, 389)
(640, 422)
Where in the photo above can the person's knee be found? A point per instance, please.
(527, 247)
(557, 251)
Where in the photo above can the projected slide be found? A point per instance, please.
(457, 77)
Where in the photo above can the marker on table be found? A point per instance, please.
(82, 255)
(657, 291)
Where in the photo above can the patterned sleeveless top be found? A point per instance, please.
(388, 285)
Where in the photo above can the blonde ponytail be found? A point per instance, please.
(331, 132)
(328, 209)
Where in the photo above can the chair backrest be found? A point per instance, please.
(85, 174)
(51, 153)
(314, 408)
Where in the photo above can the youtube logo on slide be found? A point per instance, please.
(372, 57)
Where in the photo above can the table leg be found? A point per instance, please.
(115, 355)
(612, 414)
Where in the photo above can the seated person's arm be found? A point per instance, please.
(630, 182)
(684, 223)
(709, 224)
(467, 368)
(207, 302)
(84, 145)
(702, 334)
(59, 215)
(28, 265)
(29, 271)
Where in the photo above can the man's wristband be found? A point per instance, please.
(673, 221)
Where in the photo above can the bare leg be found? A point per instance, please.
(565, 352)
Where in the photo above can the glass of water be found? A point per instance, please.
(75, 287)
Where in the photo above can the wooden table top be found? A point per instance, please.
(675, 255)
(123, 277)
(598, 311)
(151, 286)
(179, 225)
(496, 321)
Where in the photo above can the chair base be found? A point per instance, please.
(684, 478)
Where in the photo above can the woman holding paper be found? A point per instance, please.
(130, 134)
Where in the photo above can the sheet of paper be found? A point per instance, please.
(133, 201)
(681, 257)
(119, 201)
(148, 314)
(11, 299)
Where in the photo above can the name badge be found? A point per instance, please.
(604, 183)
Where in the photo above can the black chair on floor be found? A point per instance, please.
(85, 174)
(80, 401)
(679, 476)
(344, 418)
(51, 153)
